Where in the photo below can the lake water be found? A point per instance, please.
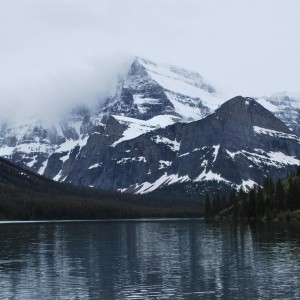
(163, 259)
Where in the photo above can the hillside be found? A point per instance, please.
(275, 200)
(25, 195)
(164, 130)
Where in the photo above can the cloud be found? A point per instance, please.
(58, 52)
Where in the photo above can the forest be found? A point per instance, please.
(25, 195)
(275, 200)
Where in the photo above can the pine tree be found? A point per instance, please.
(298, 171)
(235, 205)
(217, 204)
(260, 203)
(207, 208)
(279, 196)
(291, 195)
(252, 203)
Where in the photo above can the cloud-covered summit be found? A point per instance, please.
(59, 52)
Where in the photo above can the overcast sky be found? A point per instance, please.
(56, 52)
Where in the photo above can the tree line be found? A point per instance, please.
(25, 195)
(275, 199)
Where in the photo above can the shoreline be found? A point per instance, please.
(99, 220)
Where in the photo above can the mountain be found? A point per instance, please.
(150, 96)
(164, 130)
(150, 90)
(236, 146)
(286, 107)
(25, 195)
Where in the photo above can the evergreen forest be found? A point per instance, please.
(25, 195)
(275, 200)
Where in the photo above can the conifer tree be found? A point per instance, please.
(298, 171)
(260, 203)
(235, 205)
(279, 197)
(217, 204)
(252, 203)
(207, 208)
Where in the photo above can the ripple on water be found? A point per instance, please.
(149, 260)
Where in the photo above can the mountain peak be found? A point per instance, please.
(151, 89)
(286, 94)
(245, 110)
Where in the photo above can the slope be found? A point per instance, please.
(236, 146)
(157, 94)
(286, 107)
(25, 195)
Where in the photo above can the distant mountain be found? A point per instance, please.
(236, 146)
(164, 126)
(286, 107)
(150, 96)
(150, 90)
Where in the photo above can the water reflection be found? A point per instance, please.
(149, 260)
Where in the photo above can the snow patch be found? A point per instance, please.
(283, 159)
(204, 163)
(274, 133)
(68, 145)
(173, 145)
(164, 164)
(247, 185)
(34, 160)
(58, 176)
(142, 103)
(184, 154)
(138, 127)
(165, 179)
(231, 154)
(276, 159)
(65, 158)
(43, 167)
(216, 152)
(188, 110)
(94, 166)
(131, 159)
(268, 105)
(210, 176)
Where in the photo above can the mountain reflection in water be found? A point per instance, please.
(165, 259)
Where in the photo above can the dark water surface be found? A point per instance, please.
(149, 260)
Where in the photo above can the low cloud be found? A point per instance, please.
(59, 53)
(48, 94)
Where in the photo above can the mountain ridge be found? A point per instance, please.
(152, 106)
(138, 96)
(236, 145)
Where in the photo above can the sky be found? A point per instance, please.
(57, 53)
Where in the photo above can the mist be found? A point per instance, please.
(55, 54)
(50, 93)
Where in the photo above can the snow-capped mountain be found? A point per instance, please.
(164, 125)
(150, 96)
(237, 146)
(150, 89)
(286, 107)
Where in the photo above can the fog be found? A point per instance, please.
(58, 53)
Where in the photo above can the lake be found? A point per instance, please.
(149, 259)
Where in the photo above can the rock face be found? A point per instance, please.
(158, 130)
(150, 90)
(236, 146)
(150, 96)
(286, 107)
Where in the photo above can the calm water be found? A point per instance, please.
(149, 260)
